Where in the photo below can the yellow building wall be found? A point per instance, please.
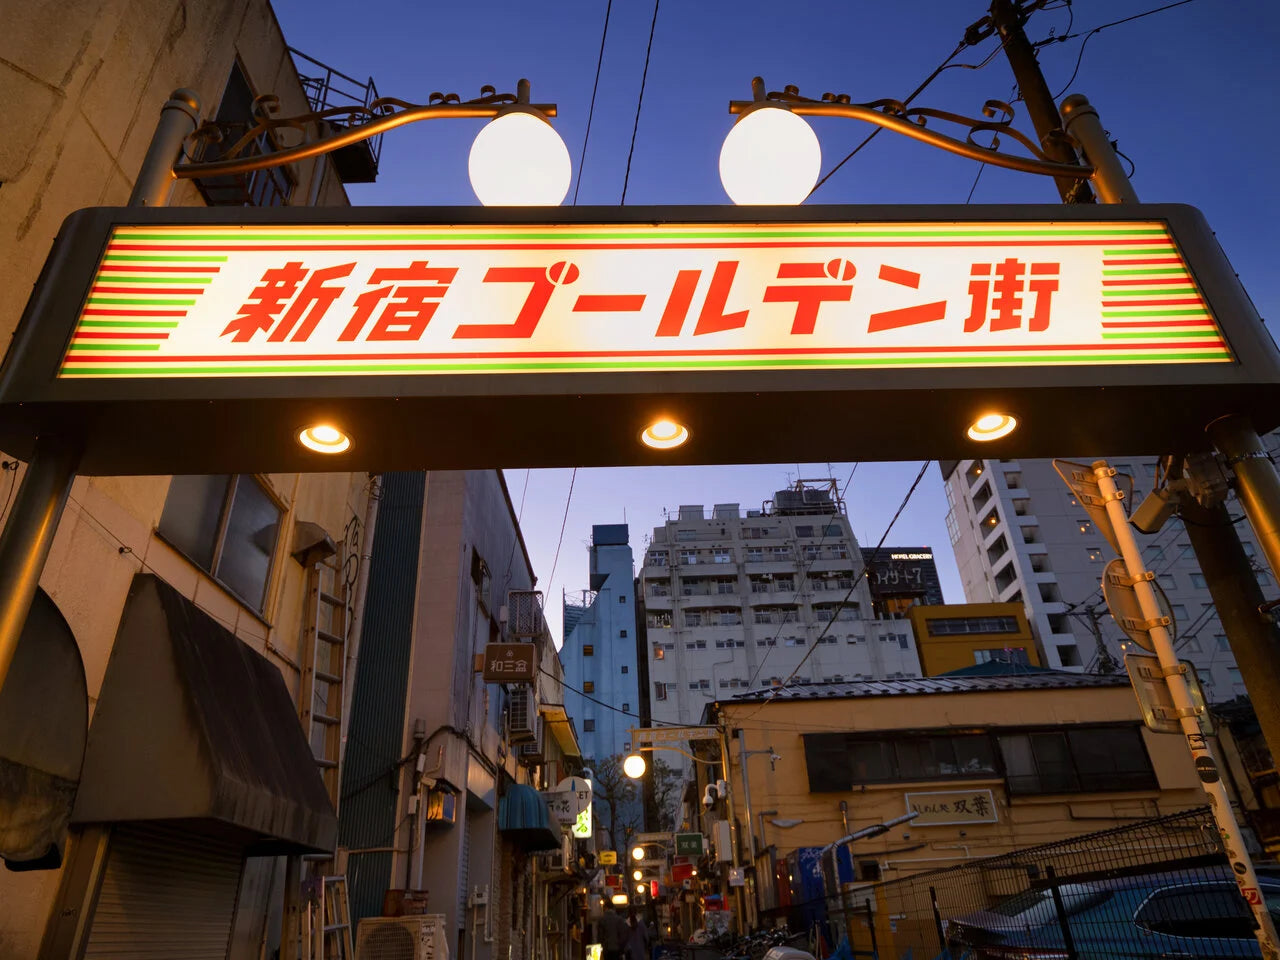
(945, 653)
(908, 848)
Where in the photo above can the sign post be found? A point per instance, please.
(1188, 714)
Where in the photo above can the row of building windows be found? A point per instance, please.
(773, 554)
(1087, 759)
(954, 626)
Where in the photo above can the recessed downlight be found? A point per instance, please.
(324, 438)
(992, 426)
(664, 434)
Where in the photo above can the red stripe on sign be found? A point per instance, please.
(1130, 262)
(1193, 302)
(95, 335)
(151, 290)
(908, 278)
(98, 312)
(609, 303)
(607, 354)
(1157, 323)
(1147, 282)
(800, 271)
(134, 268)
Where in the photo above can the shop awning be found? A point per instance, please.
(192, 724)
(555, 717)
(523, 817)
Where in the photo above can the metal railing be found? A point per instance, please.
(1158, 888)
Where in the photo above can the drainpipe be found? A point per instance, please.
(357, 610)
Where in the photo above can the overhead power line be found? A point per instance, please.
(591, 111)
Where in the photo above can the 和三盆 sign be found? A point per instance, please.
(179, 340)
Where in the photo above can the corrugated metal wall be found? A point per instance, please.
(370, 776)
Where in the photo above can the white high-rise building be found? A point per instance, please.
(735, 601)
(1020, 535)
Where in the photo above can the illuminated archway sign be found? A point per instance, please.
(205, 340)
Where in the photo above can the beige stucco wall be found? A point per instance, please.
(1023, 821)
(81, 85)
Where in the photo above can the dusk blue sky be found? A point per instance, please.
(1190, 93)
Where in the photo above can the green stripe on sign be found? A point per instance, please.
(94, 347)
(141, 258)
(1134, 251)
(250, 238)
(1162, 334)
(124, 279)
(1150, 270)
(144, 302)
(157, 324)
(1189, 312)
(246, 371)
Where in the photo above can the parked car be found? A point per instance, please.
(1171, 916)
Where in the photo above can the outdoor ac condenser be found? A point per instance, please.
(402, 938)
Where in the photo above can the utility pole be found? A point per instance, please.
(1007, 18)
(1188, 717)
(1226, 568)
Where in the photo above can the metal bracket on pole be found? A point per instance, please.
(1146, 625)
(1130, 581)
(1179, 669)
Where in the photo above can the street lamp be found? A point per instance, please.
(749, 161)
(634, 766)
(518, 159)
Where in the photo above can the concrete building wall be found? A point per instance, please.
(1019, 535)
(82, 85)
(605, 626)
(735, 602)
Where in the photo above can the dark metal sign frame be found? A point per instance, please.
(440, 421)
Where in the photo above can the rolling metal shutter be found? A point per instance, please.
(165, 894)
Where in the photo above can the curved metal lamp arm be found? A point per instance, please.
(894, 115)
(381, 115)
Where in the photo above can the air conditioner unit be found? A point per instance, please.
(402, 938)
(524, 614)
(533, 752)
(522, 715)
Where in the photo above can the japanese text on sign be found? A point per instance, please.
(301, 300)
(938, 808)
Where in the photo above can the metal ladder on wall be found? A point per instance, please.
(327, 930)
(324, 653)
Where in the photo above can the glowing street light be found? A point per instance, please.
(518, 160)
(637, 853)
(634, 766)
(637, 874)
(771, 156)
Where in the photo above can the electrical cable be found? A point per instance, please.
(591, 111)
(644, 77)
(1096, 30)
(653, 721)
(567, 500)
(861, 575)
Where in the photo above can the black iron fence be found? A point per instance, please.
(1161, 888)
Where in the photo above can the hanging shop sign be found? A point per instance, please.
(510, 663)
(441, 336)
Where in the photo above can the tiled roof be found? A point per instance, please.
(1052, 680)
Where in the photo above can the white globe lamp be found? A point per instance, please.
(518, 160)
(770, 157)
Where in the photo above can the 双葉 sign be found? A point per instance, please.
(464, 337)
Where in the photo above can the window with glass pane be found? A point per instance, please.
(228, 526)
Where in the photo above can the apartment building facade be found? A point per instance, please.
(601, 665)
(734, 601)
(1020, 535)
